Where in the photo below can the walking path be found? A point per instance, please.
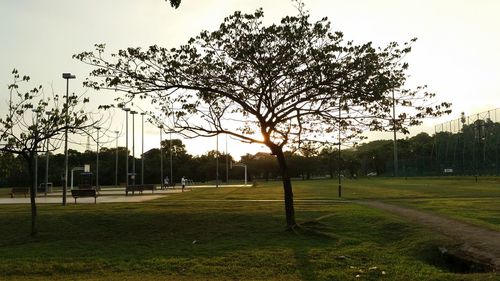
(482, 244)
(106, 195)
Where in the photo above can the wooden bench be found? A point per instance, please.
(19, 190)
(76, 193)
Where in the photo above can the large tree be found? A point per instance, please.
(278, 85)
(31, 121)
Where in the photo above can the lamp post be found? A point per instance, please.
(66, 76)
(126, 145)
(116, 160)
(47, 160)
(171, 158)
(217, 160)
(142, 151)
(133, 145)
(161, 158)
(97, 164)
(339, 159)
(36, 152)
(227, 164)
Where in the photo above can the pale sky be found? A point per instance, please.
(457, 53)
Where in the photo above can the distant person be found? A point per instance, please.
(165, 182)
(183, 183)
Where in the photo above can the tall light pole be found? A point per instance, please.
(217, 160)
(161, 158)
(395, 140)
(133, 145)
(142, 152)
(116, 160)
(171, 158)
(36, 152)
(339, 165)
(97, 164)
(126, 145)
(66, 76)
(227, 164)
(47, 160)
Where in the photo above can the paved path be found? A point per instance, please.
(482, 243)
(107, 195)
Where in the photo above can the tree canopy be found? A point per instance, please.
(280, 85)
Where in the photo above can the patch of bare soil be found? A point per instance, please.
(478, 245)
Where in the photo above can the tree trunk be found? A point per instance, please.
(287, 187)
(31, 169)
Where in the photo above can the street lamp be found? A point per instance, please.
(47, 159)
(142, 153)
(227, 164)
(133, 145)
(126, 145)
(66, 76)
(340, 147)
(97, 165)
(116, 160)
(161, 158)
(217, 160)
(36, 151)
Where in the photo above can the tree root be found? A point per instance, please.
(314, 227)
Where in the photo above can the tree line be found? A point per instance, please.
(472, 151)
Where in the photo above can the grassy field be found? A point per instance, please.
(195, 236)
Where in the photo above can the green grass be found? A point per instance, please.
(238, 240)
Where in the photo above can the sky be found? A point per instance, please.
(457, 53)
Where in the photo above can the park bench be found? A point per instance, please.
(151, 187)
(139, 188)
(133, 189)
(76, 193)
(19, 190)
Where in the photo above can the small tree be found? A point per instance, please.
(31, 121)
(280, 85)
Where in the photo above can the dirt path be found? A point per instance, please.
(479, 243)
